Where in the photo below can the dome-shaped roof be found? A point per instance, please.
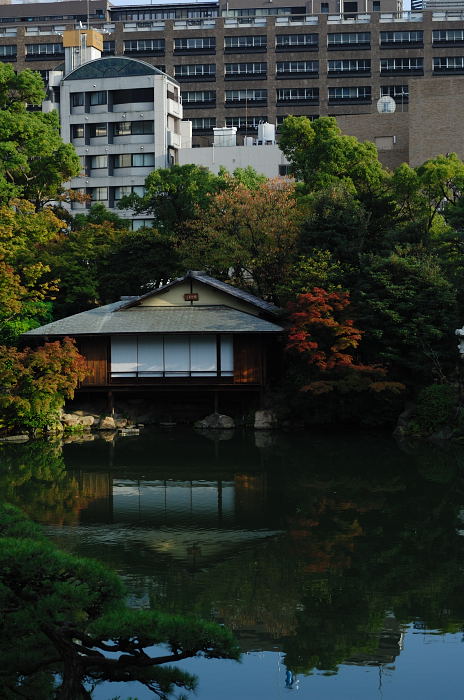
(112, 67)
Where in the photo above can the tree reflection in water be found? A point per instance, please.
(357, 537)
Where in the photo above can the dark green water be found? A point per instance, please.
(338, 560)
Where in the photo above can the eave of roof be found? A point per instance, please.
(111, 320)
(216, 284)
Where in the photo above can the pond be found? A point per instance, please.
(336, 559)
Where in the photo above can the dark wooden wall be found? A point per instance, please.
(95, 351)
(248, 360)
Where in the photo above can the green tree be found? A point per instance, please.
(63, 615)
(425, 193)
(26, 286)
(321, 155)
(138, 262)
(408, 311)
(34, 161)
(174, 195)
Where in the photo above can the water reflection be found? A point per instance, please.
(324, 549)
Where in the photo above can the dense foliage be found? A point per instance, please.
(391, 242)
(65, 615)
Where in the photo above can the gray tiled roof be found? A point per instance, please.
(109, 320)
(217, 284)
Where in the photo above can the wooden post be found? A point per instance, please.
(110, 403)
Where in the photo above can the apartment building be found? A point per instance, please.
(238, 65)
(122, 115)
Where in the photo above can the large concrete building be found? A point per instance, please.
(239, 63)
(122, 115)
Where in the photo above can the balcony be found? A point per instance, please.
(393, 17)
(348, 19)
(183, 24)
(173, 140)
(296, 20)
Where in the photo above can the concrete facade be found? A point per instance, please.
(239, 65)
(124, 119)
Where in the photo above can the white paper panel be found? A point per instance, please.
(151, 355)
(124, 355)
(203, 359)
(227, 355)
(176, 355)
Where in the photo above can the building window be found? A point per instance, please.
(202, 70)
(245, 42)
(133, 96)
(203, 123)
(282, 117)
(297, 67)
(285, 41)
(134, 160)
(77, 131)
(8, 51)
(99, 194)
(172, 356)
(342, 40)
(82, 163)
(77, 99)
(324, 8)
(98, 98)
(448, 36)
(243, 96)
(355, 94)
(376, 6)
(401, 65)
(195, 44)
(98, 162)
(297, 94)
(389, 38)
(448, 63)
(239, 69)
(144, 46)
(132, 128)
(126, 190)
(249, 123)
(398, 92)
(33, 50)
(351, 65)
(97, 130)
(137, 224)
(351, 7)
(198, 97)
(285, 170)
(108, 48)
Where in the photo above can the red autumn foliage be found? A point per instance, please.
(320, 331)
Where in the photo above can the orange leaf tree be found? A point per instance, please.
(249, 232)
(35, 382)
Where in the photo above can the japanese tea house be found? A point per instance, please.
(194, 333)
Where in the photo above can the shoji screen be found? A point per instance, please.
(176, 356)
(227, 355)
(151, 356)
(124, 356)
(203, 355)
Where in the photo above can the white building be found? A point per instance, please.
(262, 154)
(122, 115)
